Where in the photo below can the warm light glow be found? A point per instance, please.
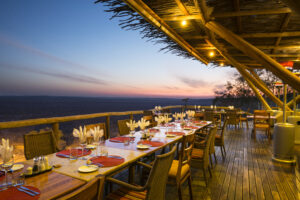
(211, 54)
(221, 64)
(183, 23)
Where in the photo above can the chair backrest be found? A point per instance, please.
(199, 116)
(223, 128)
(213, 137)
(156, 183)
(147, 112)
(101, 125)
(185, 152)
(39, 143)
(122, 126)
(206, 149)
(209, 115)
(232, 116)
(261, 117)
(150, 119)
(92, 190)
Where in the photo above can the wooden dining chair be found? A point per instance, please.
(93, 190)
(243, 118)
(261, 121)
(200, 156)
(181, 169)
(233, 118)
(39, 143)
(122, 126)
(199, 116)
(210, 115)
(101, 125)
(155, 187)
(150, 119)
(219, 138)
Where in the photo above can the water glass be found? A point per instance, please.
(19, 180)
(104, 152)
(126, 142)
(73, 154)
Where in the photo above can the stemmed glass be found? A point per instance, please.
(6, 162)
(83, 141)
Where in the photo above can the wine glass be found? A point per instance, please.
(82, 141)
(6, 162)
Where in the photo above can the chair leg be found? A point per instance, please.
(210, 160)
(179, 191)
(215, 157)
(205, 179)
(224, 149)
(190, 187)
(209, 170)
(247, 124)
(222, 152)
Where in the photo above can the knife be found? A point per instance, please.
(63, 155)
(31, 194)
(32, 191)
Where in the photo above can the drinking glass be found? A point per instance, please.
(6, 163)
(82, 141)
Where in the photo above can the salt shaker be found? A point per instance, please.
(42, 164)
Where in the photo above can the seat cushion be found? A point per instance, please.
(126, 194)
(197, 153)
(262, 125)
(174, 167)
(218, 137)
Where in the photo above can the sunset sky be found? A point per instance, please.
(72, 48)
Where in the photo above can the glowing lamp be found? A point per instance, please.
(183, 23)
(221, 64)
(211, 54)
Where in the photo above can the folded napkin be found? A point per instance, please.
(66, 153)
(97, 133)
(82, 133)
(175, 133)
(6, 151)
(159, 119)
(190, 113)
(143, 123)
(132, 125)
(12, 193)
(120, 139)
(107, 161)
(167, 119)
(151, 143)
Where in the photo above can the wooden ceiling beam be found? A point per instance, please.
(293, 4)
(229, 14)
(236, 5)
(259, 46)
(251, 12)
(255, 35)
(282, 28)
(272, 55)
(256, 54)
(148, 14)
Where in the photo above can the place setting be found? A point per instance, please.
(13, 187)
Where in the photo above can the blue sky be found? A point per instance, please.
(71, 48)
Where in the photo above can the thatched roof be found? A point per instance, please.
(270, 25)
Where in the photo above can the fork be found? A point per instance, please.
(32, 191)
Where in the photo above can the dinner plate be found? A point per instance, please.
(142, 146)
(170, 135)
(90, 146)
(16, 167)
(88, 168)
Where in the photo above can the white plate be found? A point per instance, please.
(170, 135)
(16, 167)
(142, 146)
(90, 146)
(89, 168)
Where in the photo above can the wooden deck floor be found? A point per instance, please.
(246, 173)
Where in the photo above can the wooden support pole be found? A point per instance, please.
(256, 54)
(107, 123)
(258, 95)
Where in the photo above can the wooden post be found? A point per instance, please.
(108, 126)
(131, 116)
(242, 69)
(258, 95)
(256, 54)
(56, 132)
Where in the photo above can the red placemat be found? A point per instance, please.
(192, 127)
(107, 161)
(120, 139)
(175, 133)
(66, 153)
(153, 130)
(151, 143)
(13, 194)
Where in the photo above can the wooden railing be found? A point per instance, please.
(54, 121)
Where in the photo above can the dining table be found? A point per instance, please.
(66, 178)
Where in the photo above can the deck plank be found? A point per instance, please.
(247, 172)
